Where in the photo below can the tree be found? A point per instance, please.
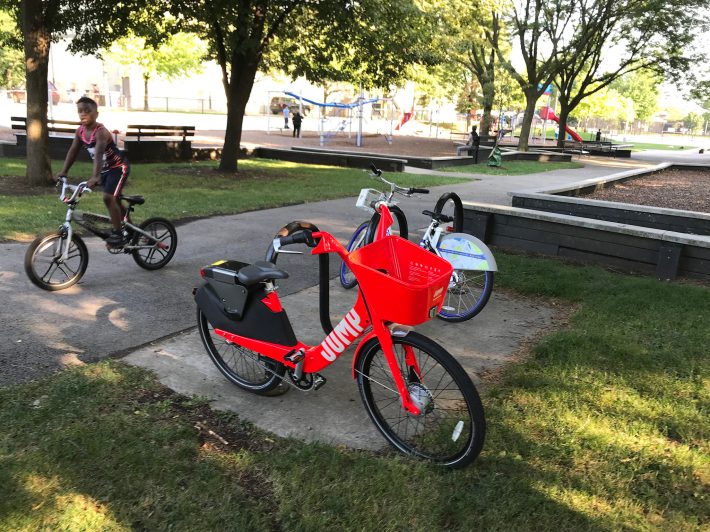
(472, 49)
(641, 34)
(179, 55)
(325, 40)
(94, 25)
(642, 88)
(540, 29)
(692, 122)
(12, 65)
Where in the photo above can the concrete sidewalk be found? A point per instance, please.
(335, 414)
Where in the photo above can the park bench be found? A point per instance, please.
(19, 125)
(605, 146)
(61, 136)
(574, 146)
(145, 143)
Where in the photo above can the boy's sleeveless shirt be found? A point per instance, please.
(112, 156)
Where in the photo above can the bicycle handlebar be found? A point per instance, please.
(394, 187)
(77, 189)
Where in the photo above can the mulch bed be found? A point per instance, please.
(687, 190)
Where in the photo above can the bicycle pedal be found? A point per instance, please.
(318, 381)
(294, 357)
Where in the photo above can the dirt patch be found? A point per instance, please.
(14, 185)
(687, 190)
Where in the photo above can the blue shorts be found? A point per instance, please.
(113, 180)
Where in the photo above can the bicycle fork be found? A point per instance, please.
(385, 337)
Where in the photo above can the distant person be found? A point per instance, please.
(598, 136)
(286, 112)
(297, 119)
(111, 167)
(474, 140)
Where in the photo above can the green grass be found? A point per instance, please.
(511, 168)
(604, 426)
(184, 191)
(641, 146)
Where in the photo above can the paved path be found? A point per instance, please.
(118, 306)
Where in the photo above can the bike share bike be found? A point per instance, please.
(57, 260)
(418, 396)
(471, 283)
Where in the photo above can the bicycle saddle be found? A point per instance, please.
(133, 200)
(438, 217)
(260, 271)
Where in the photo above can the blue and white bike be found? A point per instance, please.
(471, 283)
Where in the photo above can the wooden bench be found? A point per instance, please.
(151, 143)
(19, 125)
(61, 136)
(148, 132)
(574, 146)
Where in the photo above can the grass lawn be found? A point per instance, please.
(604, 426)
(188, 190)
(511, 168)
(641, 146)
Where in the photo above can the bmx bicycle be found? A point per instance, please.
(57, 260)
(472, 280)
(417, 395)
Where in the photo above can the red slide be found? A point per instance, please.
(549, 114)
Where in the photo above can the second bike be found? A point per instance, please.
(57, 260)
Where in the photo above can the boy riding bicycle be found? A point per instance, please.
(111, 167)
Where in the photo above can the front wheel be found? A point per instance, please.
(243, 367)
(155, 251)
(46, 268)
(451, 427)
(468, 293)
(399, 227)
(347, 279)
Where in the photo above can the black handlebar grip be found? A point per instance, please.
(375, 170)
(301, 237)
(419, 190)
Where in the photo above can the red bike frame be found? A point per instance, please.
(350, 328)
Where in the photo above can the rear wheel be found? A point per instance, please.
(347, 279)
(451, 427)
(468, 293)
(241, 366)
(45, 267)
(155, 252)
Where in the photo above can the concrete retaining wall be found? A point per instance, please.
(665, 254)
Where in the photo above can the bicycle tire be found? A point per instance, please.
(347, 279)
(450, 203)
(164, 232)
(47, 250)
(400, 219)
(451, 429)
(239, 365)
(467, 295)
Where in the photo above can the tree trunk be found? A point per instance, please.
(530, 101)
(146, 107)
(488, 96)
(564, 115)
(37, 42)
(237, 92)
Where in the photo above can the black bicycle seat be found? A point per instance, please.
(133, 200)
(260, 271)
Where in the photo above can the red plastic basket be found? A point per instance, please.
(402, 282)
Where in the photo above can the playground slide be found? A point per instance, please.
(549, 114)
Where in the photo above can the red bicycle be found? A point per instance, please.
(416, 393)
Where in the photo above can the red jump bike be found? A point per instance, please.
(418, 396)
